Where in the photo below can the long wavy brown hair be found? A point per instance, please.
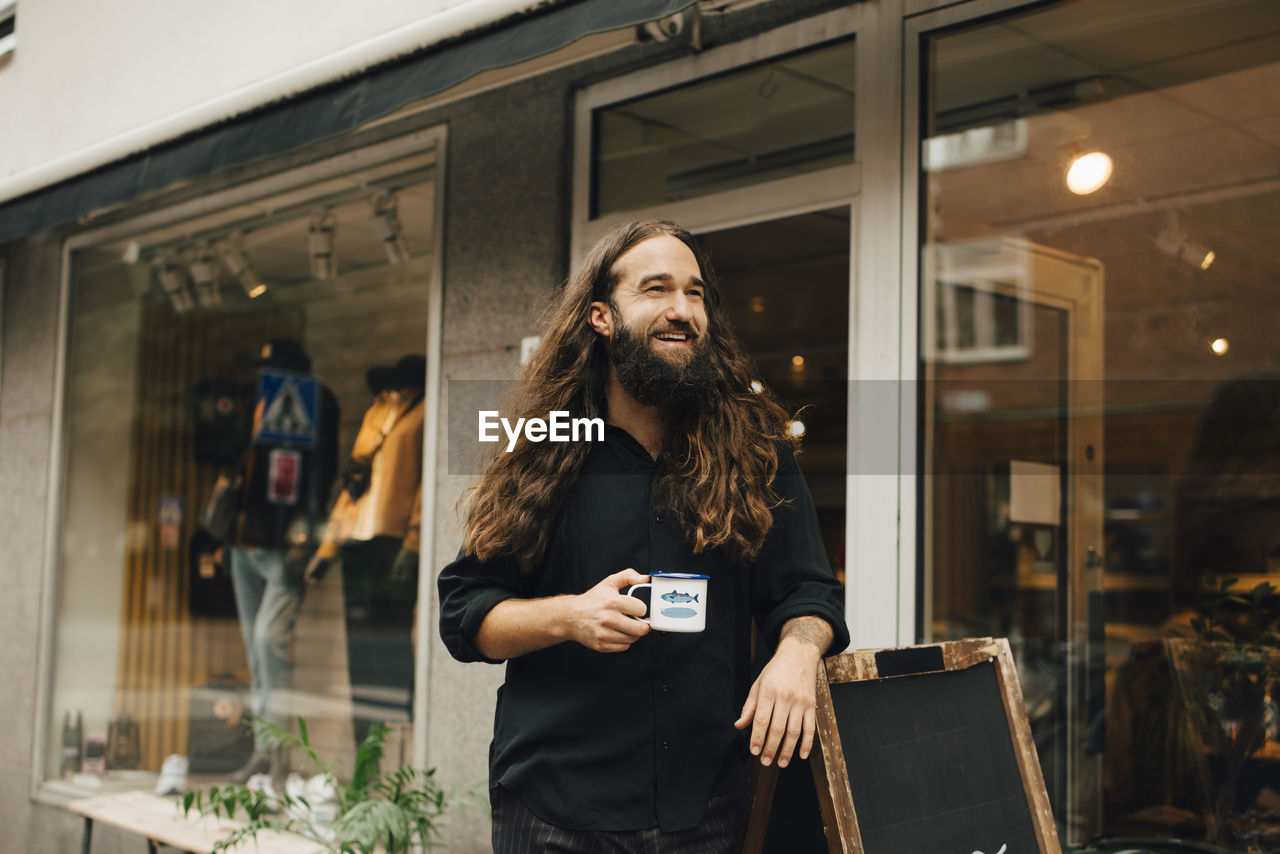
(717, 469)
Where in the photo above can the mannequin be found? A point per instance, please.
(280, 508)
(373, 533)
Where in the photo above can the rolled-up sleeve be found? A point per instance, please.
(469, 589)
(791, 576)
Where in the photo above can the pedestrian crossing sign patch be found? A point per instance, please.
(289, 404)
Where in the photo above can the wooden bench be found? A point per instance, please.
(160, 821)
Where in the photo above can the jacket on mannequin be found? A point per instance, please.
(385, 509)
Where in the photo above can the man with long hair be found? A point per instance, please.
(609, 737)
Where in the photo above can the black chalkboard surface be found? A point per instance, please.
(931, 764)
(927, 750)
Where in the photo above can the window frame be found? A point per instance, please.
(55, 792)
(752, 203)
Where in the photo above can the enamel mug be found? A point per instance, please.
(677, 601)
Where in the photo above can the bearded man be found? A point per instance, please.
(610, 737)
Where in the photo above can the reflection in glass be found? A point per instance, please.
(781, 118)
(788, 266)
(1097, 465)
(216, 390)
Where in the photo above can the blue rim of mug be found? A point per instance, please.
(677, 575)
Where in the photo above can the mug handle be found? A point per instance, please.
(633, 589)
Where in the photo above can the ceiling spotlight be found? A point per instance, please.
(324, 265)
(239, 265)
(1219, 346)
(797, 363)
(1174, 242)
(204, 275)
(796, 428)
(1088, 172)
(386, 227)
(174, 283)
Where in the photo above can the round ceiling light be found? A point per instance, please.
(1088, 172)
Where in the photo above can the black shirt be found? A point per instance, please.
(642, 738)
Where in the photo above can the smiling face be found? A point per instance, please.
(656, 324)
(660, 293)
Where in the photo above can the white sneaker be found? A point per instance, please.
(173, 776)
(262, 783)
(322, 795)
(296, 789)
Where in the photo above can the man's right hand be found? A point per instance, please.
(603, 619)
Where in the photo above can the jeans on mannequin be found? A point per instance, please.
(268, 604)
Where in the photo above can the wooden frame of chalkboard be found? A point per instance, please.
(941, 752)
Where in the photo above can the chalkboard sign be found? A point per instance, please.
(927, 749)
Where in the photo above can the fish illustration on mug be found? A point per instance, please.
(675, 597)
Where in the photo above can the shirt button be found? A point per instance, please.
(658, 518)
(666, 689)
(666, 745)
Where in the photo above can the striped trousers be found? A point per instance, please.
(518, 831)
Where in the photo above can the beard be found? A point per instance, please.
(654, 380)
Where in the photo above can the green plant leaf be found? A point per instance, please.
(368, 758)
(374, 821)
(395, 811)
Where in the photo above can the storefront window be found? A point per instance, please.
(243, 457)
(784, 117)
(1101, 402)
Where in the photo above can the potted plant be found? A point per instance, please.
(392, 813)
(1233, 674)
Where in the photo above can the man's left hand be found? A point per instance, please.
(781, 707)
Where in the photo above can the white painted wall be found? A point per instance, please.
(91, 82)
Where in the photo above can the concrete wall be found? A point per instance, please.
(29, 340)
(506, 242)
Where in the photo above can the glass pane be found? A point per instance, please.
(775, 276)
(227, 379)
(1101, 400)
(780, 118)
